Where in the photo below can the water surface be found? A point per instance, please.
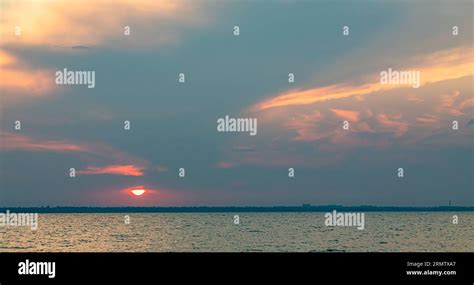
(216, 232)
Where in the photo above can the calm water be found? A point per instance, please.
(256, 232)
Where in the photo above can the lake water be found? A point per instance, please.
(216, 232)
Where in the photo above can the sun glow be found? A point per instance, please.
(138, 192)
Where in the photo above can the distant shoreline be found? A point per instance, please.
(305, 208)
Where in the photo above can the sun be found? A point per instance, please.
(138, 192)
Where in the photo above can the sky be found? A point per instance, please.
(173, 124)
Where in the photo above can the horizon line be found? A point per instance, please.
(191, 209)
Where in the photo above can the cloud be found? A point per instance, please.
(392, 122)
(427, 119)
(306, 115)
(91, 151)
(14, 142)
(448, 104)
(305, 126)
(314, 95)
(126, 170)
(466, 103)
(84, 23)
(352, 116)
(448, 99)
(436, 67)
(22, 79)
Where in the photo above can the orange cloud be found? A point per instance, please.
(392, 122)
(27, 81)
(447, 101)
(310, 96)
(69, 23)
(448, 104)
(6, 59)
(126, 170)
(305, 126)
(349, 115)
(439, 66)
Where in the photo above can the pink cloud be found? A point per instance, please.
(12, 142)
(16, 142)
(126, 170)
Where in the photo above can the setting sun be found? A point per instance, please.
(138, 192)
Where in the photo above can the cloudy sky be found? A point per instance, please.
(173, 124)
